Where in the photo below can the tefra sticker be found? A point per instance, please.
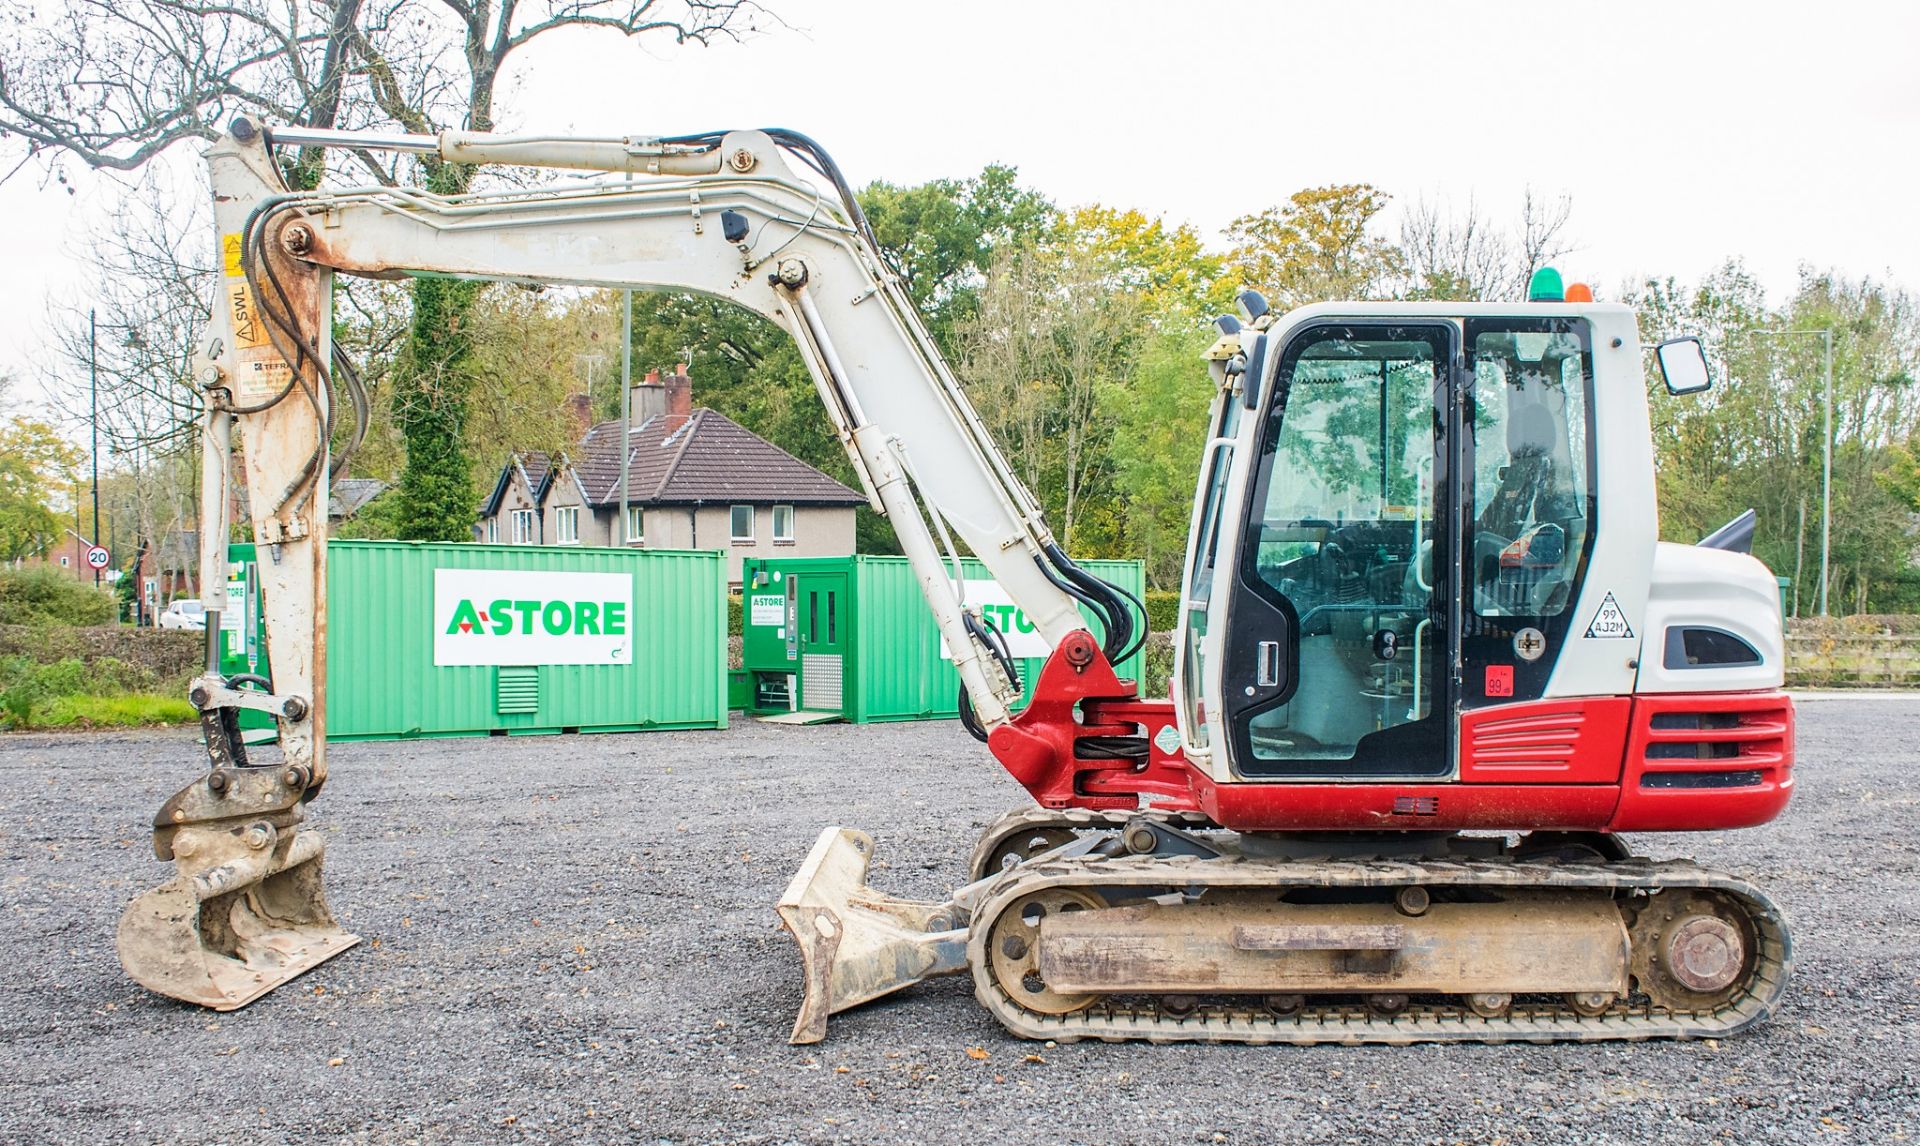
(1610, 622)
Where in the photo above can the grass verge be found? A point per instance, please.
(128, 710)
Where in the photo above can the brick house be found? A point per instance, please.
(66, 554)
(696, 479)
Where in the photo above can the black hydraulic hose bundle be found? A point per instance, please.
(1115, 606)
(986, 634)
(285, 336)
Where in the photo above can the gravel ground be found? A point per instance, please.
(574, 938)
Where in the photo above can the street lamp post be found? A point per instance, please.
(93, 385)
(1826, 452)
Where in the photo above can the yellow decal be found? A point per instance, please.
(230, 255)
(259, 372)
(243, 318)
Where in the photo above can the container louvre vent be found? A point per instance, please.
(516, 690)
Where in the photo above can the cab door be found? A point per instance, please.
(1342, 617)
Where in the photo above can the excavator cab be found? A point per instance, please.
(1416, 495)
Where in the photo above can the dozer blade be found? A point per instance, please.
(247, 917)
(857, 944)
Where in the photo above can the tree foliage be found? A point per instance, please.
(942, 234)
(37, 468)
(1755, 439)
(1320, 244)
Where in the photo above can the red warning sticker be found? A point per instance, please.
(1499, 680)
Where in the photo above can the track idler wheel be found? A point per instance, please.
(1014, 951)
(1693, 950)
(1023, 847)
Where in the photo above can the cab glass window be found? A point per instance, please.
(1531, 514)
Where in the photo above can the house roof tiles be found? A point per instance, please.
(700, 458)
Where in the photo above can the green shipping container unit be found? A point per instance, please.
(243, 630)
(853, 636)
(456, 639)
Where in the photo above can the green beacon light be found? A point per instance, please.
(1545, 286)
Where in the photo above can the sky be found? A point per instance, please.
(1685, 132)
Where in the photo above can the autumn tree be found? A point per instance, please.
(1050, 356)
(38, 469)
(1320, 244)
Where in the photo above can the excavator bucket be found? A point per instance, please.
(857, 944)
(244, 914)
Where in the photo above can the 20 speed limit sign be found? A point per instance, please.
(97, 557)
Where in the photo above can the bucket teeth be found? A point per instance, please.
(857, 944)
(235, 925)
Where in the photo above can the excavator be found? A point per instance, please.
(1432, 661)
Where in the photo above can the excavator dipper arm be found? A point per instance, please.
(721, 214)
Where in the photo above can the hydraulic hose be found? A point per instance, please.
(1106, 600)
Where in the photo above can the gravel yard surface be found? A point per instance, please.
(573, 938)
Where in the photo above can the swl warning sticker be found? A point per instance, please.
(1609, 622)
(259, 371)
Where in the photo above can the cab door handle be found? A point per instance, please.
(1266, 664)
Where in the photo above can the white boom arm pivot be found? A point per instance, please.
(723, 216)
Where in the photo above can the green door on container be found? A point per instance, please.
(822, 600)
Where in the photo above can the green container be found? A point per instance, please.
(399, 664)
(243, 627)
(853, 635)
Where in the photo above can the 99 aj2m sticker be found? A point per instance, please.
(1610, 622)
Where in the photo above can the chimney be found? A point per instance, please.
(649, 398)
(580, 414)
(680, 391)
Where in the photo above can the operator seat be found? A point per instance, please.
(1528, 482)
(1537, 494)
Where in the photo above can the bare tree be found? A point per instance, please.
(1465, 255)
(113, 83)
(135, 328)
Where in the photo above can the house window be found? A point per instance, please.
(783, 523)
(636, 524)
(742, 524)
(523, 527)
(566, 525)
(493, 531)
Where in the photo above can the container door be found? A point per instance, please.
(822, 599)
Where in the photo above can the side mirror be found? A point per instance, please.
(1683, 363)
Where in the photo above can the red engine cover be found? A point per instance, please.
(1686, 762)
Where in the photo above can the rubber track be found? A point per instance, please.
(1351, 1024)
(1081, 819)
